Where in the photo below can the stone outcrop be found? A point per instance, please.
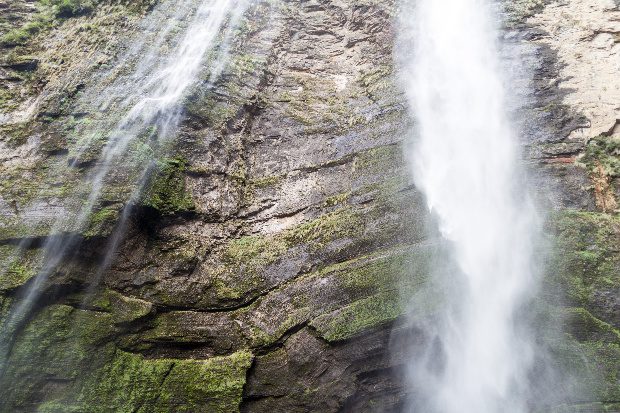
(269, 263)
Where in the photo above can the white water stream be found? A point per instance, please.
(466, 161)
(152, 95)
(142, 94)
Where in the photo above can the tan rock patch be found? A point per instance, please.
(586, 36)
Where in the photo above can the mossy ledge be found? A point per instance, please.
(73, 347)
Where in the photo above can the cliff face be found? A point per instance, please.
(267, 266)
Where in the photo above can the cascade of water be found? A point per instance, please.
(142, 94)
(465, 160)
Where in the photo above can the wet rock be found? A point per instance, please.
(267, 265)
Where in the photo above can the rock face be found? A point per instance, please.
(269, 265)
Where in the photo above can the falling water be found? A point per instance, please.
(466, 161)
(142, 94)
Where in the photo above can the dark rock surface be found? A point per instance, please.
(270, 268)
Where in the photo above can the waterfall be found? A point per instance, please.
(141, 95)
(465, 159)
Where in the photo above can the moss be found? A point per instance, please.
(205, 105)
(21, 266)
(47, 180)
(376, 160)
(16, 275)
(255, 251)
(585, 327)
(56, 345)
(319, 106)
(132, 383)
(266, 182)
(222, 105)
(5, 306)
(214, 385)
(166, 192)
(373, 77)
(53, 12)
(602, 160)
(360, 316)
(336, 200)
(334, 225)
(398, 268)
(143, 152)
(49, 11)
(242, 264)
(102, 222)
(603, 151)
(220, 333)
(378, 82)
(370, 293)
(586, 269)
(123, 309)
(8, 103)
(15, 134)
(122, 384)
(19, 36)
(593, 366)
(71, 8)
(246, 64)
(378, 284)
(246, 255)
(267, 336)
(251, 254)
(519, 10)
(64, 361)
(586, 255)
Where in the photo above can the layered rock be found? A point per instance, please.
(270, 262)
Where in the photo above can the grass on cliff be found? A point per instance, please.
(51, 12)
(603, 152)
(70, 8)
(21, 35)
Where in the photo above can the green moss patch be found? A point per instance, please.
(266, 182)
(373, 291)
(19, 36)
(71, 8)
(360, 316)
(602, 159)
(123, 309)
(214, 385)
(603, 151)
(250, 255)
(132, 383)
(593, 366)
(166, 192)
(21, 266)
(380, 287)
(102, 222)
(585, 327)
(586, 258)
(584, 339)
(49, 12)
(64, 361)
